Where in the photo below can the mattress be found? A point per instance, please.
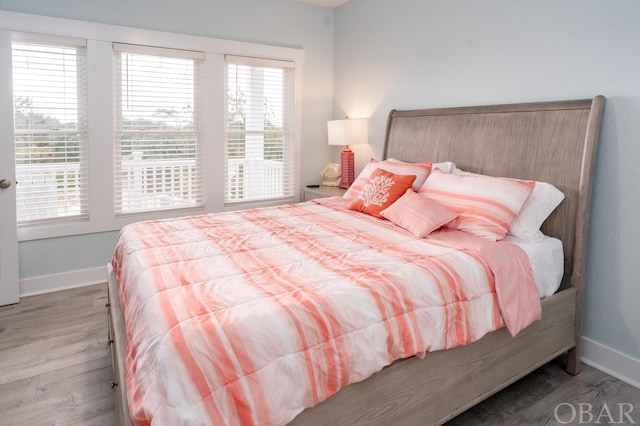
(547, 262)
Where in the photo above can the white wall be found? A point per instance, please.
(418, 54)
(284, 23)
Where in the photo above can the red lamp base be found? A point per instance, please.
(347, 167)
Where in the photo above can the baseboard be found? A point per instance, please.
(63, 281)
(611, 361)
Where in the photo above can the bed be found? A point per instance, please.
(546, 141)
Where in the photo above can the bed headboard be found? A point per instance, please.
(546, 141)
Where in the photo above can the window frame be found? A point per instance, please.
(101, 103)
(79, 93)
(153, 174)
(288, 131)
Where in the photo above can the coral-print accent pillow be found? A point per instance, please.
(380, 191)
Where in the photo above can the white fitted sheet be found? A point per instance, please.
(547, 262)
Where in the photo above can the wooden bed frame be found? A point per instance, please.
(547, 141)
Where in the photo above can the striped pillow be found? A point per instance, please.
(420, 170)
(417, 214)
(486, 205)
(541, 203)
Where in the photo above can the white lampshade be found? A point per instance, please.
(351, 131)
(347, 132)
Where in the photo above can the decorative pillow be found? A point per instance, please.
(486, 205)
(541, 203)
(420, 170)
(417, 214)
(382, 189)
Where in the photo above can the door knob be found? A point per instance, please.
(5, 183)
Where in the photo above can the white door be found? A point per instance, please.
(9, 286)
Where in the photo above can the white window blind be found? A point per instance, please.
(260, 145)
(158, 148)
(50, 106)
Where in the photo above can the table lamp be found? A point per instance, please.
(347, 132)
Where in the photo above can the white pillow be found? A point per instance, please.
(541, 203)
(445, 166)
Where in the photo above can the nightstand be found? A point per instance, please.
(321, 192)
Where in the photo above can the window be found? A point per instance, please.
(158, 152)
(259, 163)
(109, 132)
(49, 98)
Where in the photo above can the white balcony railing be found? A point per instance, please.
(254, 180)
(158, 184)
(47, 191)
(52, 190)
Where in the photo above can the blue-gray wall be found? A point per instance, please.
(418, 54)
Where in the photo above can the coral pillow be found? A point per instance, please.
(421, 170)
(381, 190)
(486, 205)
(417, 214)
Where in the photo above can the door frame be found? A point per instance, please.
(9, 266)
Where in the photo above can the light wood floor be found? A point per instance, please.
(55, 369)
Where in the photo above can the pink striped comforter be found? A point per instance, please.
(249, 317)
